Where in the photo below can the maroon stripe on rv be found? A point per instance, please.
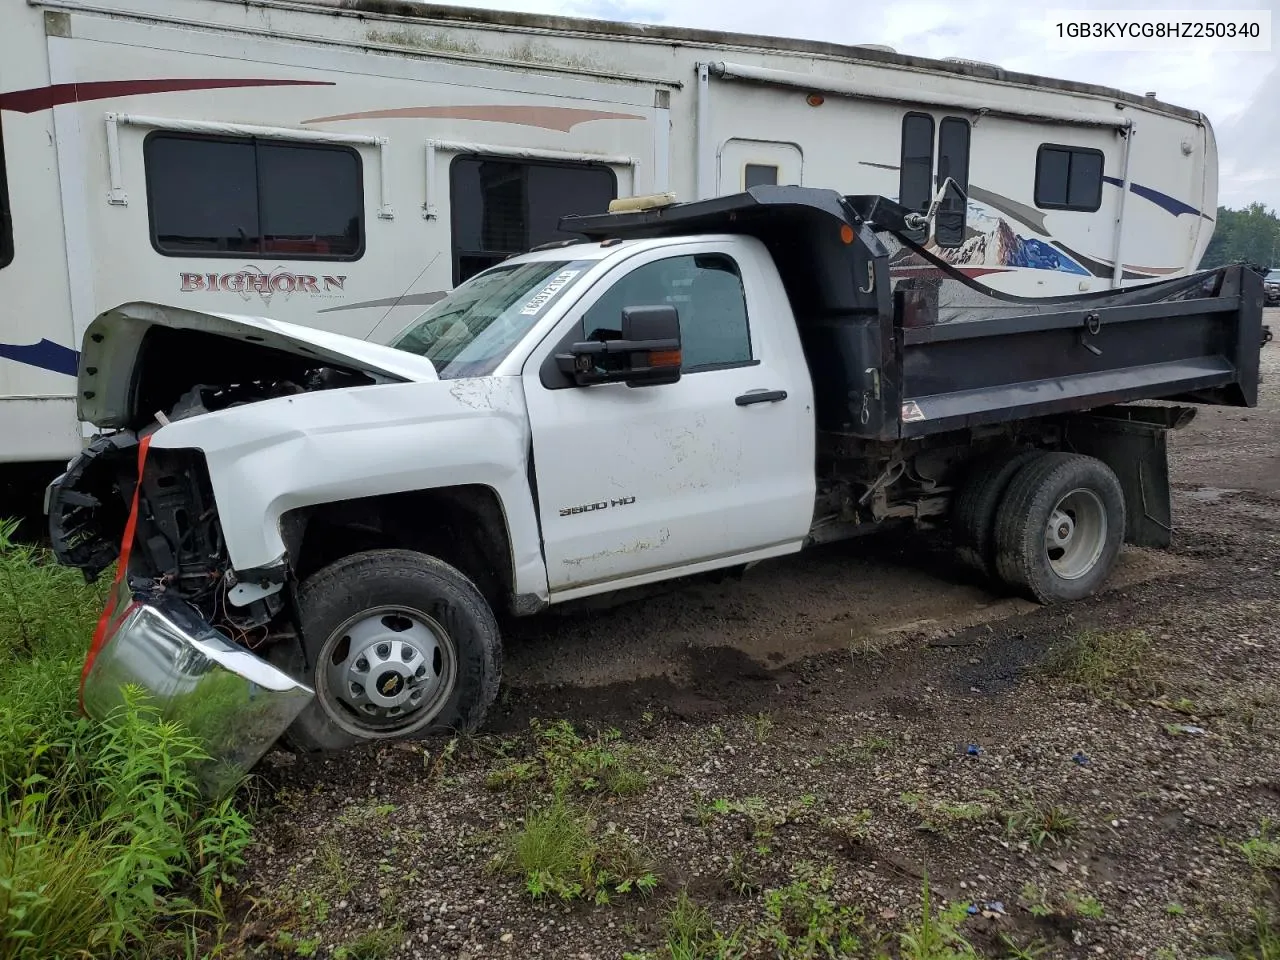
(42, 98)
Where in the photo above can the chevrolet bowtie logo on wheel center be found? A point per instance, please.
(390, 683)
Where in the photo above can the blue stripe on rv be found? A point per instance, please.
(1161, 200)
(46, 355)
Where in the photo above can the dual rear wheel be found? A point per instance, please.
(1048, 524)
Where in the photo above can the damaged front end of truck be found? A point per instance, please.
(201, 638)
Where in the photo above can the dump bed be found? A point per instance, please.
(935, 351)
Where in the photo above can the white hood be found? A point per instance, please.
(111, 344)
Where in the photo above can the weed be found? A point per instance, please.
(806, 921)
(360, 814)
(1083, 906)
(1036, 900)
(566, 761)
(940, 816)
(763, 816)
(291, 945)
(875, 744)
(1263, 851)
(938, 936)
(1031, 951)
(741, 877)
(1100, 660)
(692, 935)
(559, 853)
(1261, 941)
(853, 828)
(1175, 909)
(513, 774)
(380, 944)
(761, 726)
(1040, 823)
(100, 823)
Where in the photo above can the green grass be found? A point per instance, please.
(1040, 823)
(105, 843)
(565, 761)
(937, 936)
(560, 852)
(1263, 851)
(1099, 660)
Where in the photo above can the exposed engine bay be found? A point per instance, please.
(178, 544)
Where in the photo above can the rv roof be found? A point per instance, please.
(416, 10)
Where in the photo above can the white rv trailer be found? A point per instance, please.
(342, 163)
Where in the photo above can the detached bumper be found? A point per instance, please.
(235, 702)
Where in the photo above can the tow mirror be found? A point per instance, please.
(647, 354)
(946, 215)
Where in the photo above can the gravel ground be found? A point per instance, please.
(768, 714)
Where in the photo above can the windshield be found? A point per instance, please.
(1274, 275)
(469, 332)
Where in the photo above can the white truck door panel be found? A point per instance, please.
(633, 480)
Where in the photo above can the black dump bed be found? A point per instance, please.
(935, 351)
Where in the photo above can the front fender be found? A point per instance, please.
(266, 459)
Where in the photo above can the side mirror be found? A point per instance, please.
(647, 354)
(946, 216)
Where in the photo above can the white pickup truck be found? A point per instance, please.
(322, 533)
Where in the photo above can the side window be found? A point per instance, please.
(759, 175)
(953, 162)
(503, 207)
(1068, 178)
(916, 173)
(218, 196)
(706, 289)
(6, 217)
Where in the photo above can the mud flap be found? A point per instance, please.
(1133, 442)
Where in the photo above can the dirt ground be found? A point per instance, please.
(767, 714)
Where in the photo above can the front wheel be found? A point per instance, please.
(1059, 527)
(397, 645)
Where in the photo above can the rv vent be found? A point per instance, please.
(972, 63)
(875, 46)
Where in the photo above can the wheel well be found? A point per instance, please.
(463, 526)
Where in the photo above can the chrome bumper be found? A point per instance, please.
(235, 702)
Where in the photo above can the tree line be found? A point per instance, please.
(1251, 235)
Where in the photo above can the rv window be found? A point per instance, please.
(275, 200)
(916, 173)
(953, 162)
(6, 217)
(503, 207)
(1068, 178)
(706, 290)
(759, 175)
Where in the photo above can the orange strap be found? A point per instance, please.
(122, 566)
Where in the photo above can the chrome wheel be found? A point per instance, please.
(386, 672)
(1076, 534)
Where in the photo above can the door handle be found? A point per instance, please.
(761, 396)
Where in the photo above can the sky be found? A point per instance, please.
(1238, 92)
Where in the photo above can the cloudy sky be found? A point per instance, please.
(1239, 92)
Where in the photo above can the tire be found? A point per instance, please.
(1090, 502)
(422, 630)
(974, 512)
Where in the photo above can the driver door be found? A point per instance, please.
(636, 483)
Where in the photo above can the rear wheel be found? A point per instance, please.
(1059, 527)
(973, 516)
(398, 645)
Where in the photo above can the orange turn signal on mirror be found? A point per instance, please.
(664, 358)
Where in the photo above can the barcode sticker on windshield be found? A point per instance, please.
(543, 296)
